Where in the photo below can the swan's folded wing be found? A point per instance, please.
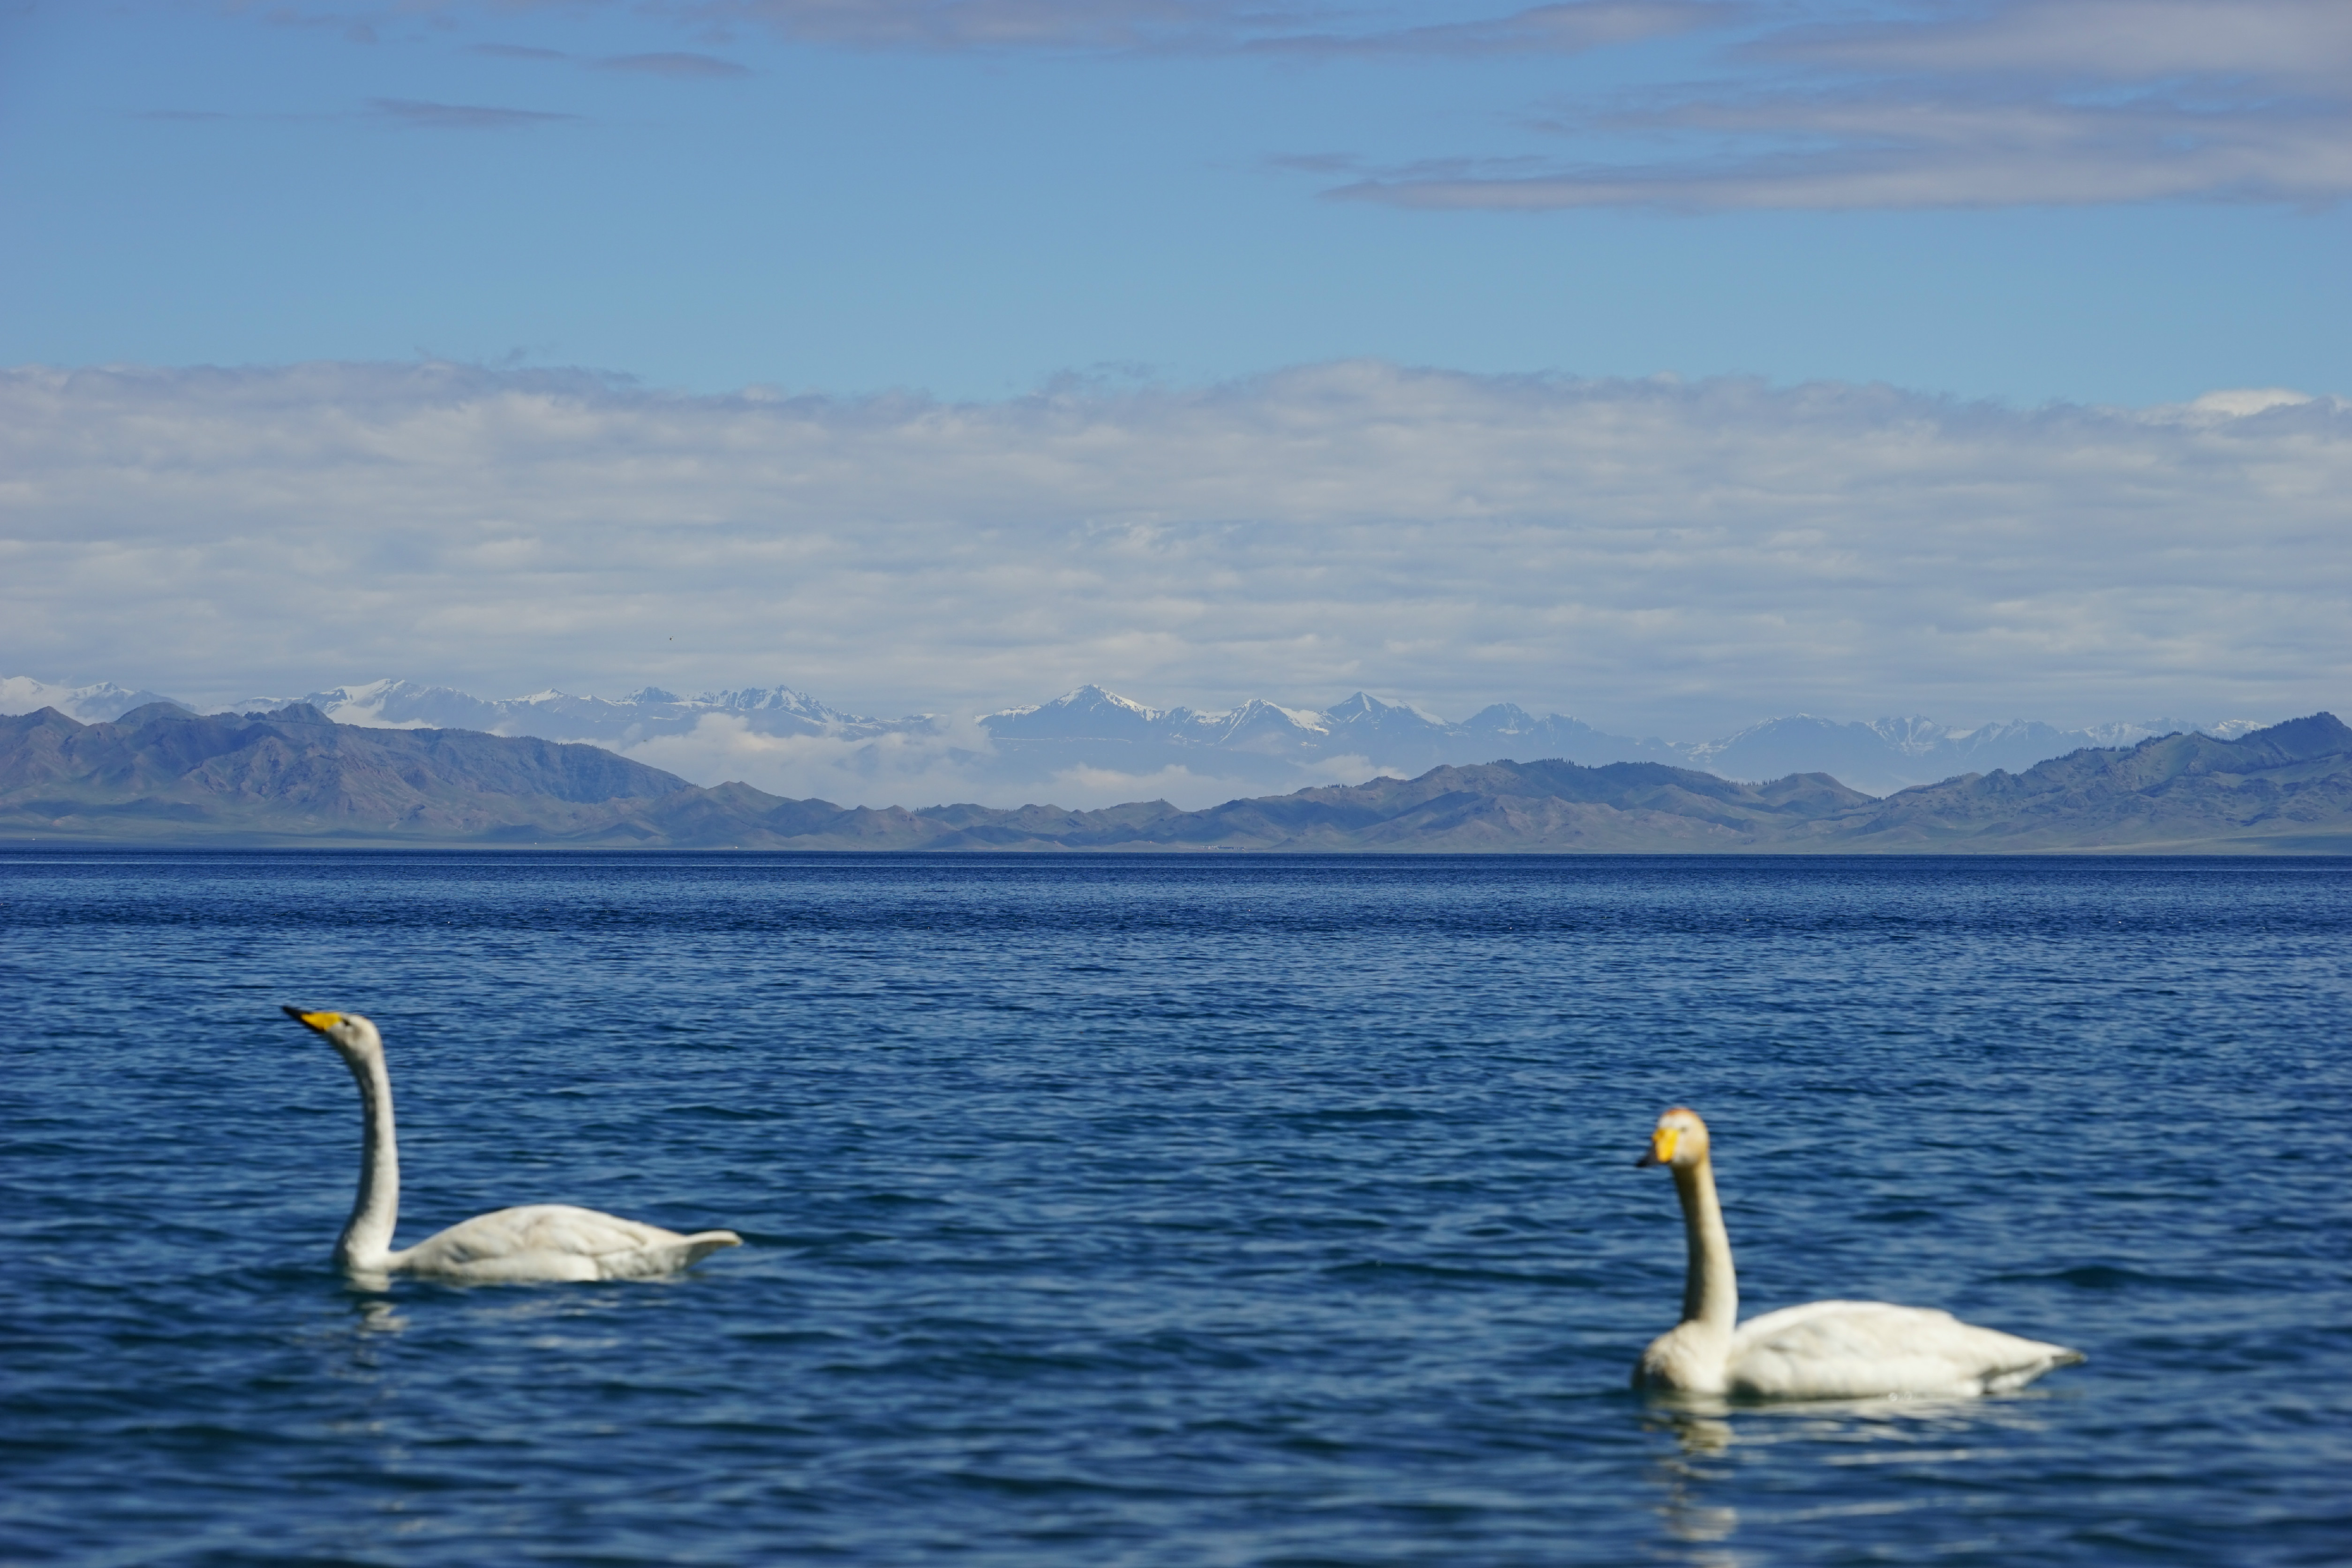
(664, 1257)
(1861, 1350)
(557, 1241)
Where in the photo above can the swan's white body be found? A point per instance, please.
(536, 1242)
(1824, 1350)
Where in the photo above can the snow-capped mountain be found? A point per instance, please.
(1268, 745)
(1093, 740)
(1092, 714)
(1878, 757)
(559, 716)
(101, 704)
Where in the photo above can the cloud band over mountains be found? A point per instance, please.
(1644, 552)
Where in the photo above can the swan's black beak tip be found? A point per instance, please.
(290, 1010)
(1649, 1159)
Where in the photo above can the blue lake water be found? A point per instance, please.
(1169, 1211)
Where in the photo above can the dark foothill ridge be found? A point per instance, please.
(160, 774)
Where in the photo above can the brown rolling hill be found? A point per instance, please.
(2284, 790)
(161, 775)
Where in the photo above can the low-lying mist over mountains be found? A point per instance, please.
(1092, 746)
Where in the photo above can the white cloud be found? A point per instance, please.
(942, 767)
(1811, 104)
(1087, 788)
(2236, 403)
(1647, 554)
(2035, 102)
(1888, 148)
(1306, 28)
(958, 762)
(679, 66)
(460, 116)
(98, 703)
(2112, 40)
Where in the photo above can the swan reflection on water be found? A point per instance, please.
(378, 1316)
(1716, 1439)
(1689, 1516)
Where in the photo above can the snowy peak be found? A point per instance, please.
(406, 705)
(1094, 727)
(99, 704)
(2131, 733)
(765, 699)
(1089, 713)
(1366, 711)
(641, 715)
(1369, 719)
(1259, 744)
(1502, 718)
(1360, 707)
(1257, 725)
(1093, 714)
(1914, 736)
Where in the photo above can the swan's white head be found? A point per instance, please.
(1680, 1140)
(353, 1037)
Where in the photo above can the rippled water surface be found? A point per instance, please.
(1159, 1210)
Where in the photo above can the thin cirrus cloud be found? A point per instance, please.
(428, 116)
(516, 52)
(1564, 29)
(1675, 556)
(1810, 105)
(2040, 103)
(1844, 151)
(2117, 40)
(1199, 26)
(676, 64)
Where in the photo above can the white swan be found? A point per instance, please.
(1824, 1350)
(537, 1242)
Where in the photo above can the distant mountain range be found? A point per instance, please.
(1107, 731)
(1259, 744)
(161, 775)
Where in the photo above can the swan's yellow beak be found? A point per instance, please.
(323, 1022)
(1662, 1147)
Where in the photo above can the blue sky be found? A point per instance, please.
(1672, 365)
(709, 196)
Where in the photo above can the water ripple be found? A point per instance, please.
(1151, 1212)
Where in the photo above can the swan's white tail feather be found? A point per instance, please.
(703, 1243)
(2010, 1379)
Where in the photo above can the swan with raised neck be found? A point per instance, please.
(535, 1242)
(1822, 1350)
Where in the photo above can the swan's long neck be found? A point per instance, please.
(366, 1240)
(1710, 1293)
